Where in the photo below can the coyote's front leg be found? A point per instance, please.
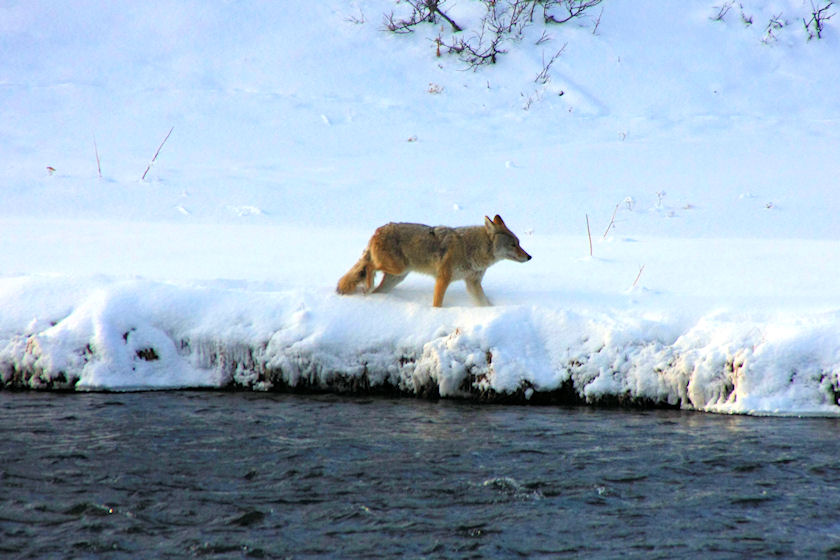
(388, 282)
(476, 291)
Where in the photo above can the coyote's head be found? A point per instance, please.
(505, 243)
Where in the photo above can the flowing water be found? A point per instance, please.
(229, 475)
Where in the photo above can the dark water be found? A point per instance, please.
(227, 475)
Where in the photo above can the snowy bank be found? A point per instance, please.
(138, 334)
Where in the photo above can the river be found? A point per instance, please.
(261, 475)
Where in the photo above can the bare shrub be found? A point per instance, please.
(504, 21)
(815, 26)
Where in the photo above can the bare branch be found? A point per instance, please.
(775, 24)
(476, 54)
(544, 38)
(434, 7)
(639, 275)
(156, 154)
(722, 10)
(96, 151)
(422, 11)
(543, 77)
(612, 221)
(598, 21)
(573, 9)
(357, 20)
(819, 16)
(398, 26)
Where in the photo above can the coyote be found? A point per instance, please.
(446, 253)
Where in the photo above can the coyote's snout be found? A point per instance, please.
(448, 254)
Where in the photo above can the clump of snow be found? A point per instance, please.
(702, 151)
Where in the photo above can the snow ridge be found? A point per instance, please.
(143, 335)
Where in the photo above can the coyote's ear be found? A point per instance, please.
(498, 221)
(489, 225)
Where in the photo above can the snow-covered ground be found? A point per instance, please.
(704, 153)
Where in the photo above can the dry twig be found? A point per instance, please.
(96, 151)
(612, 222)
(639, 275)
(156, 154)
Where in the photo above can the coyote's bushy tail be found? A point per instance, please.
(347, 284)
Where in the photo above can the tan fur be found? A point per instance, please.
(448, 254)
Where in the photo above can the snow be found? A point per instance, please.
(298, 131)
